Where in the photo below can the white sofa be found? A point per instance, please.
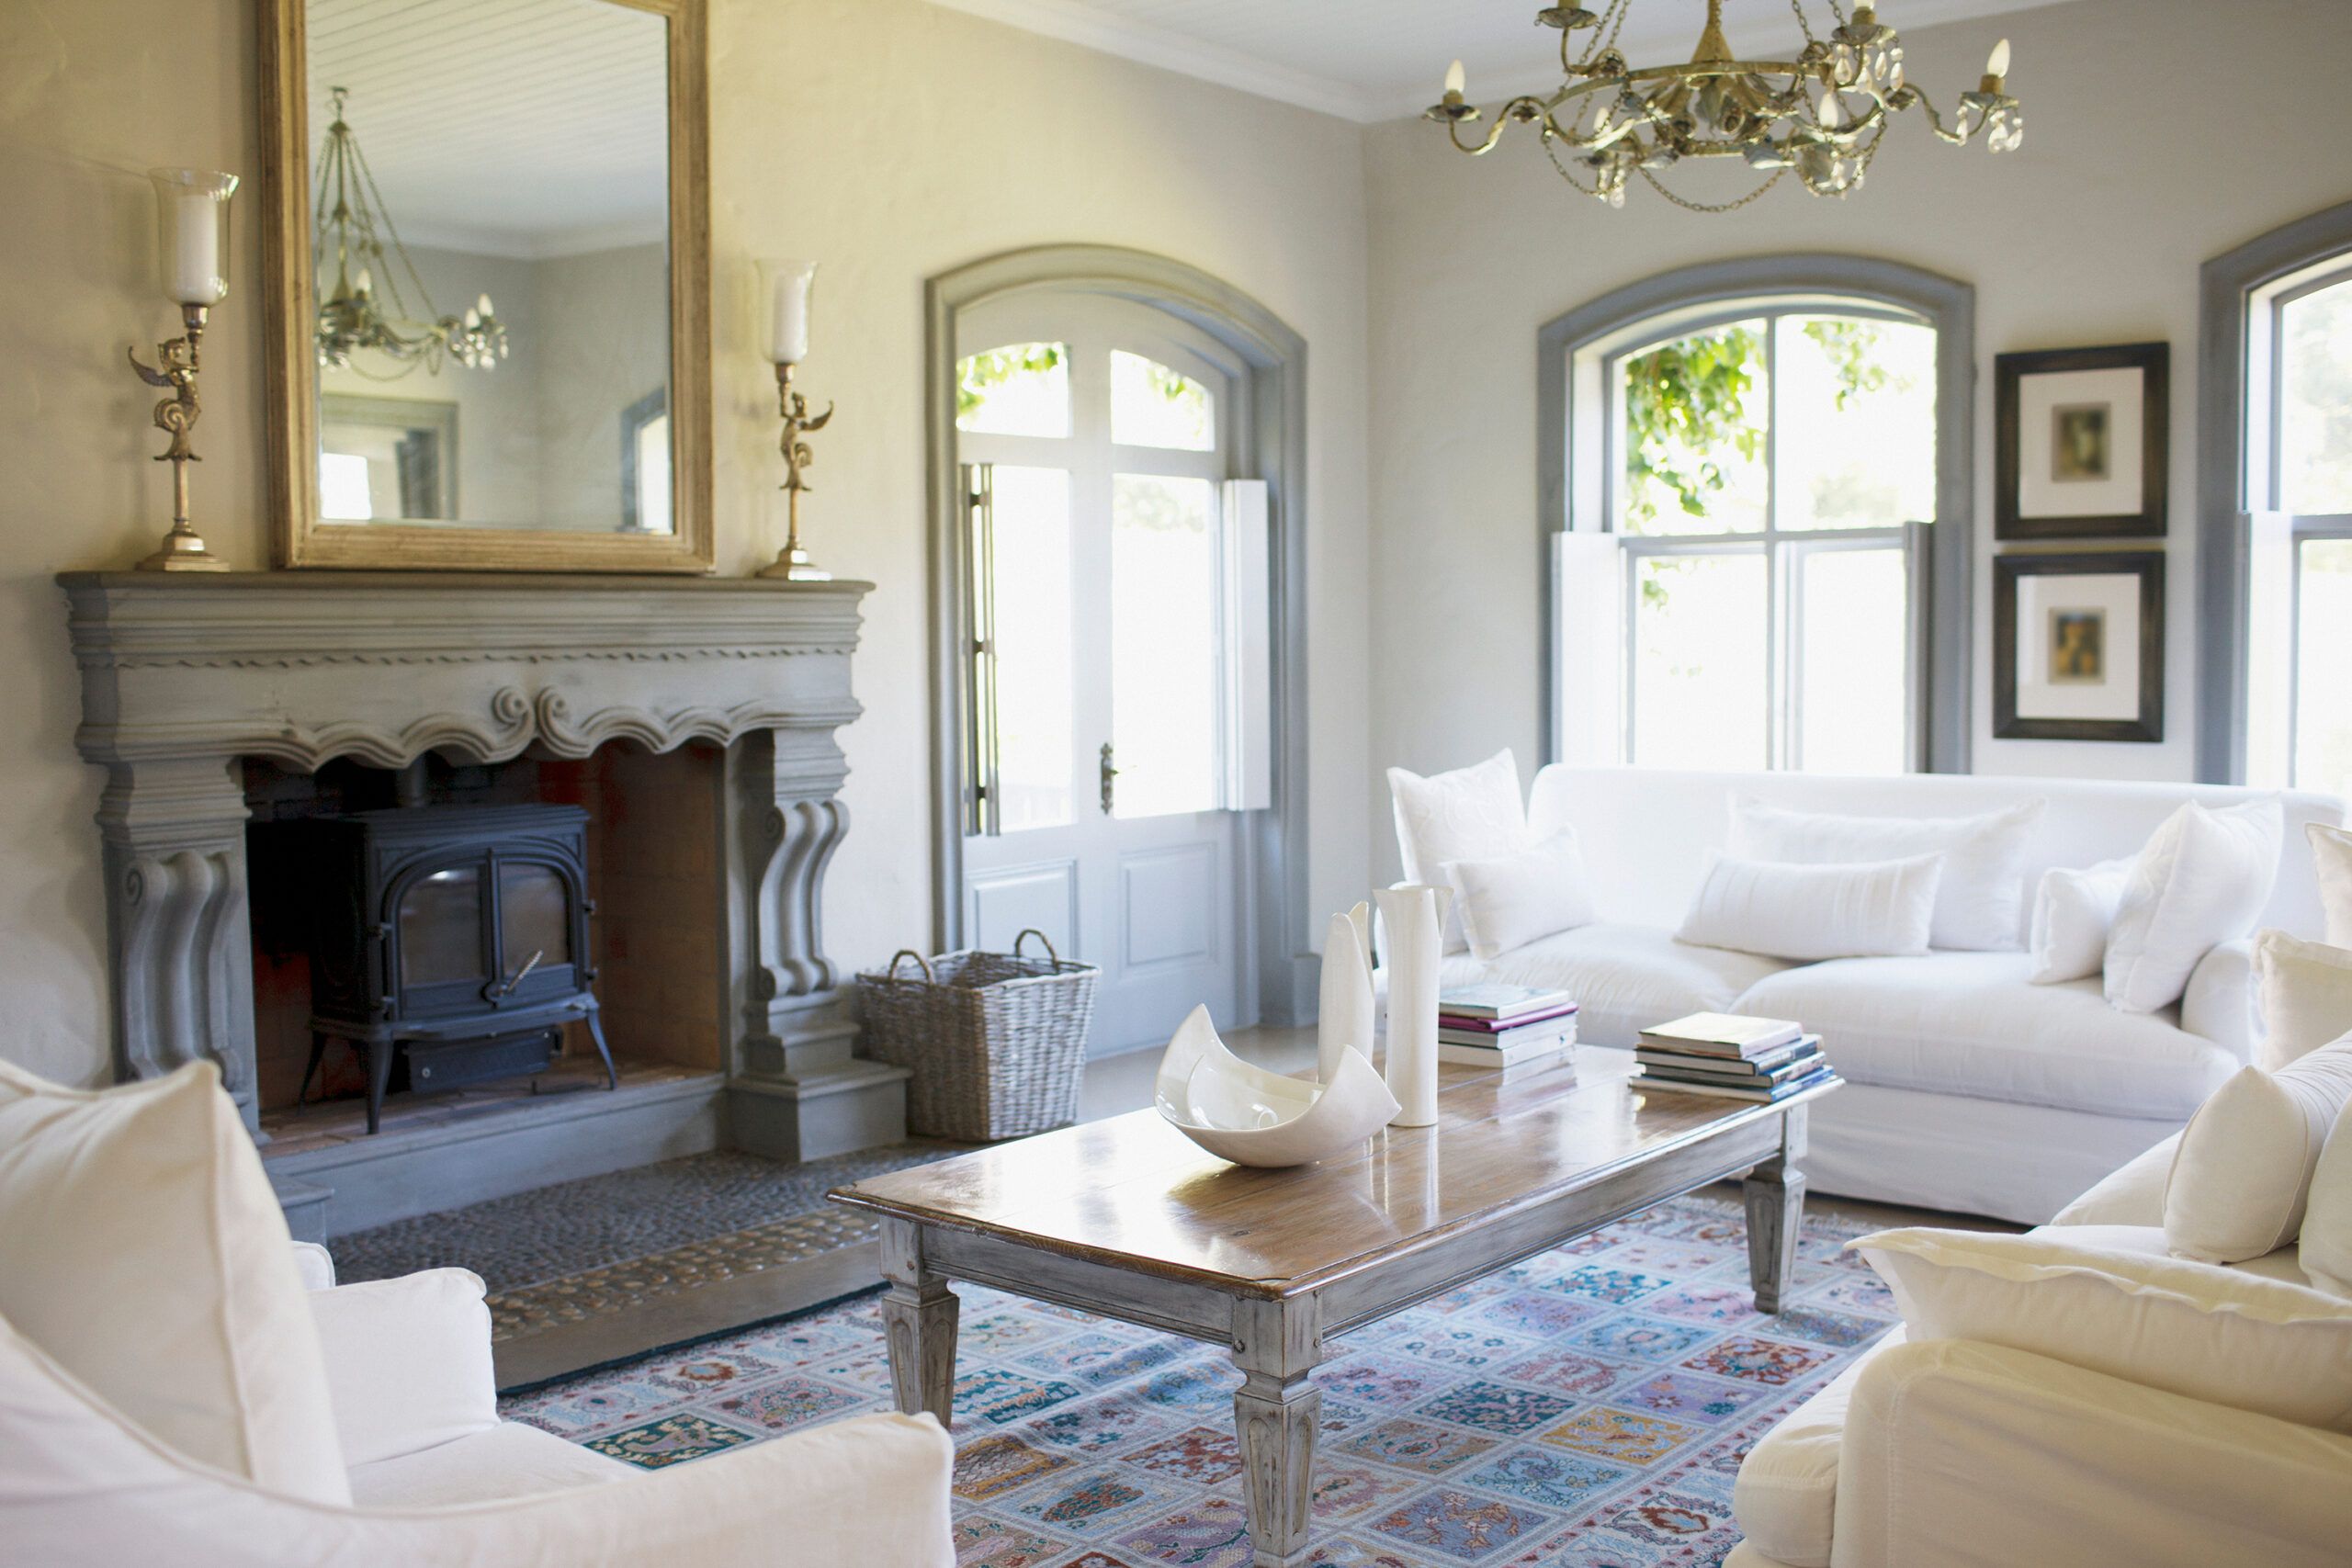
(1952, 1452)
(1969, 1088)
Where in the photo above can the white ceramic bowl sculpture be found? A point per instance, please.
(1251, 1116)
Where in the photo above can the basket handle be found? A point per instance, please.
(1051, 956)
(892, 973)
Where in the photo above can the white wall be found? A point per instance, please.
(2159, 132)
(889, 137)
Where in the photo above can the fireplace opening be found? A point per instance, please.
(452, 935)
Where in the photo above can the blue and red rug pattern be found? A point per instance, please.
(1588, 1409)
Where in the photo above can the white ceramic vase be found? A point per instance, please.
(1414, 914)
(1346, 1021)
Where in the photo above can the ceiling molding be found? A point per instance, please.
(1075, 22)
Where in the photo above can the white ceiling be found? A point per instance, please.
(514, 128)
(1374, 60)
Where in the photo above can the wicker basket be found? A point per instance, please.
(997, 1040)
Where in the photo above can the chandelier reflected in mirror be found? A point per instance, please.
(351, 226)
(1820, 117)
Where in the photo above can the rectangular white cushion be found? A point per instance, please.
(2073, 910)
(1506, 901)
(2223, 1336)
(143, 1250)
(2326, 1239)
(1800, 911)
(408, 1361)
(1971, 1023)
(2306, 991)
(1977, 900)
(2201, 880)
(1473, 813)
(2331, 851)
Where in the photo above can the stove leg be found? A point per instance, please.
(318, 1055)
(380, 1075)
(596, 1033)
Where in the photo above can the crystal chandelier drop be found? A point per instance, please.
(352, 225)
(1820, 116)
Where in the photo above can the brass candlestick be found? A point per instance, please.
(792, 562)
(183, 548)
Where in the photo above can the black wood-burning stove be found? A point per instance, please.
(455, 937)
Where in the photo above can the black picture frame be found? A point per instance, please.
(2149, 567)
(2154, 361)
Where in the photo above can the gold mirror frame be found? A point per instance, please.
(290, 312)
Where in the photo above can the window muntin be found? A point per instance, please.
(1808, 436)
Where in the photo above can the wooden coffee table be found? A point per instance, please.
(1127, 1219)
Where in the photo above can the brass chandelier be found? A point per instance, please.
(1820, 116)
(351, 224)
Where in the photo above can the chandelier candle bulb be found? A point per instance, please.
(1457, 81)
(1996, 68)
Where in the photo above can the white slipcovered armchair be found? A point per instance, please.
(181, 1385)
(1956, 1452)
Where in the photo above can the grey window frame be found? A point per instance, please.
(2303, 528)
(1941, 555)
(2305, 255)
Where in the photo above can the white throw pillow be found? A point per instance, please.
(1511, 900)
(2242, 1170)
(436, 1317)
(2201, 880)
(1983, 876)
(1804, 912)
(141, 1249)
(2326, 1250)
(2072, 911)
(2224, 1336)
(1473, 812)
(2332, 859)
(2306, 991)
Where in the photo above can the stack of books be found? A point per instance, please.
(1499, 1026)
(1763, 1059)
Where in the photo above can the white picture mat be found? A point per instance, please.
(2117, 495)
(2115, 593)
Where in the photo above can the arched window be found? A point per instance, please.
(1756, 481)
(2275, 417)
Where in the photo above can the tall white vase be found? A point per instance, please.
(1346, 1017)
(1415, 915)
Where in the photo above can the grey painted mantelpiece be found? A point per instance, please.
(184, 676)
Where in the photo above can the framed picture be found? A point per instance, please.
(2078, 646)
(2079, 443)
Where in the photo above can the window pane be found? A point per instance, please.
(2316, 402)
(1699, 644)
(1153, 406)
(1856, 441)
(1034, 677)
(1164, 641)
(2323, 654)
(534, 916)
(441, 927)
(1021, 389)
(1850, 661)
(1694, 412)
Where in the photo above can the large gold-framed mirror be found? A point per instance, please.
(487, 249)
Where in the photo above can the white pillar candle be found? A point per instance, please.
(192, 232)
(788, 286)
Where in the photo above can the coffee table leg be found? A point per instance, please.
(1775, 1193)
(1275, 1413)
(919, 1316)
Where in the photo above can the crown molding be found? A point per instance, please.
(1073, 22)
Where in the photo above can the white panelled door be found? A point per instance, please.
(1118, 673)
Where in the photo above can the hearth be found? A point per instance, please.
(451, 941)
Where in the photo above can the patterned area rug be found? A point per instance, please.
(1588, 1409)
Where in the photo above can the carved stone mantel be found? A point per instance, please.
(184, 676)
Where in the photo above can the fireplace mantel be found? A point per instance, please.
(182, 676)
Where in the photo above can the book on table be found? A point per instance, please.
(1453, 1030)
(1722, 1034)
(1759, 1092)
(1469, 1024)
(1501, 1002)
(1545, 1049)
(1779, 1059)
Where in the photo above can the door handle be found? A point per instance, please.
(1109, 773)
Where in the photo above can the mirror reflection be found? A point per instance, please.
(490, 228)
